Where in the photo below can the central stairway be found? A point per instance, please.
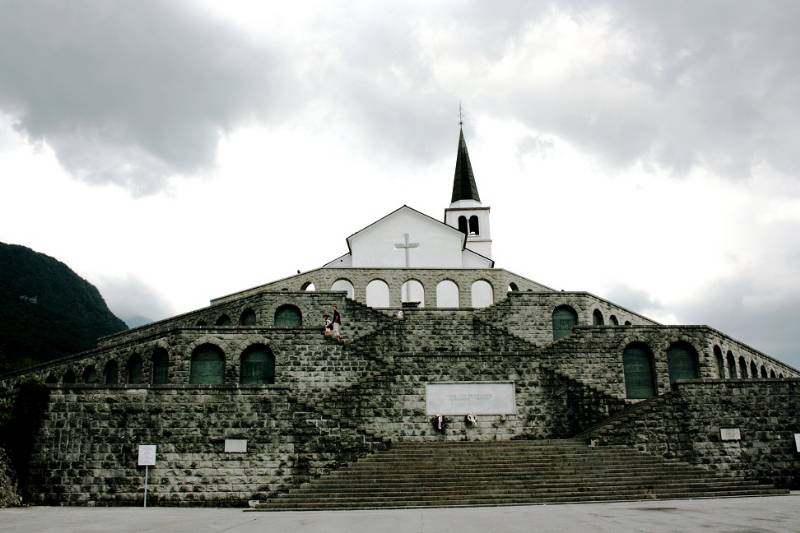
(508, 473)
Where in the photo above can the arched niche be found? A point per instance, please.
(224, 320)
(288, 316)
(742, 367)
(247, 318)
(412, 291)
(763, 372)
(731, 362)
(614, 320)
(637, 362)
(753, 369)
(135, 370)
(720, 362)
(682, 361)
(207, 365)
(257, 366)
(513, 287)
(51, 379)
(482, 294)
(160, 367)
(772, 373)
(69, 377)
(597, 318)
(344, 285)
(564, 319)
(90, 375)
(377, 293)
(201, 324)
(111, 373)
(447, 294)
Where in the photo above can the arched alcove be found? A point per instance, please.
(753, 369)
(482, 294)
(772, 373)
(160, 367)
(69, 376)
(207, 365)
(637, 362)
(614, 320)
(288, 316)
(682, 361)
(111, 373)
(731, 365)
(720, 361)
(377, 293)
(564, 319)
(412, 291)
(224, 320)
(742, 367)
(343, 285)
(135, 370)
(447, 294)
(513, 287)
(90, 375)
(763, 372)
(247, 318)
(597, 318)
(51, 379)
(257, 366)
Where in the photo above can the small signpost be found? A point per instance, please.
(147, 458)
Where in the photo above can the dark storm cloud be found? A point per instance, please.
(128, 92)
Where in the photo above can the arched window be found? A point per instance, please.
(224, 320)
(682, 362)
(257, 366)
(377, 293)
(627, 322)
(413, 291)
(753, 369)
(772, 373)
(343, 285)
(513, 287)
(90, 375)
(111, 373)
(474, 229)
(763, 372)
(447, 294)
(160, 367)
(288, 316)
(742, 367)
(614, 320)
(564, 319)
(597, 318)
(51, 379)
(780, 376)
(248, 318)
(208, 365)
(482, 294)
(69, 376)
(637, 363)
(135, 370)
(731, 365)
(462, 225)
(720, 362)
(308, 286)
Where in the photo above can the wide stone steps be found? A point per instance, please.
(508, 473)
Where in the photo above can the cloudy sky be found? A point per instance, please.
(647, 152)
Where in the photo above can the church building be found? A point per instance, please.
(456, 383)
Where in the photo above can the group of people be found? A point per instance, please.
(333, 325)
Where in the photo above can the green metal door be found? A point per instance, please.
(638, 368)
(288, 316)
(160, 367)
(135, 371)
(258, 367)
(208, 367)
(564, 319)
(682, 363)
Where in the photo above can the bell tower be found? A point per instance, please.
(466, 213)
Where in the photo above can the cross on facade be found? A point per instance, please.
(406, 246)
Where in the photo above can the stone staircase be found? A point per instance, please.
(508, 473)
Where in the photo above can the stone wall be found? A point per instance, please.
(685, 424)
(9, 496)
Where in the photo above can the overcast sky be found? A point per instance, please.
(647, 152)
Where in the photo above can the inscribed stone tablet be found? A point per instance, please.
(147, 455)
(730, 434)
(235, 445)
(470, 398)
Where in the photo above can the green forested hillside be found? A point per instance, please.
(46, 310)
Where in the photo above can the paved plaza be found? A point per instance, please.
(778, 514)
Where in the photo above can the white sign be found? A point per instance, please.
(730, 434)
(147, 455)
(470, 398)
(797, 441)
(235, 446)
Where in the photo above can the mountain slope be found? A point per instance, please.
(46, 309)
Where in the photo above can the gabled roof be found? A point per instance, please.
(464, 187)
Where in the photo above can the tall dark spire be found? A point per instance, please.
(464, 187)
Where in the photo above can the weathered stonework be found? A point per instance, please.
(332, 402)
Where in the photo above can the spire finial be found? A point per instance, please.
(460, 116)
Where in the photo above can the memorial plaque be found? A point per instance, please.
(470, 398)
(147, 455)
(730, 434)
(235, 446)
